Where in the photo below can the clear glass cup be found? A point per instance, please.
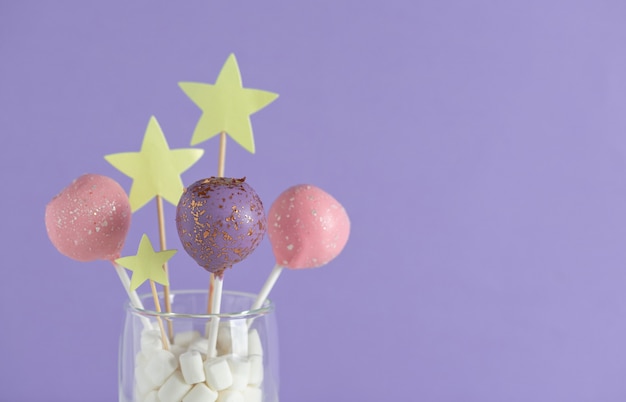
(242, 368)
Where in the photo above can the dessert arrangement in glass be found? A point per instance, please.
(197, 345)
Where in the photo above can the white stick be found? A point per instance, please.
(266, 289)
(215, 321)
(134, 298)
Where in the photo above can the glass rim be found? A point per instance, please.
(268, 306)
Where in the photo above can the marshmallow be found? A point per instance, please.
(256, 370)
(191, 367)
(151, 340)
(255, 346)
(174, 389)
(177, 350)
(218, 374)
(136, 395)
(239, 337)
(186, 338)
(141, 358)
(201, 345)
(143, 384)
(240, 370)
(231, 395)
(200, 393)
(253, 394)
(161, 365)
(224, 345)
(152, 396)
(232, 338)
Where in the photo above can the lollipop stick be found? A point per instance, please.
(221, 163)
(166, 289)
(266, 289)
(221, 157)
(157, 307)
(209, 306)
(215, 321)
(134, 298)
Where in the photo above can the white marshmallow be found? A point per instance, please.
(201, 345)
(253, 394)
(218, 375)
(141, 358)
(143, 384)
(151, 340)
(256, 370)
(161, 365)
(174, 389)
(186, 338)
(239, 337)
(224, 344)
(152, 396)
(230, 395)
(255, 346)
(201, 393)
(136, 395)
(240, 370)
(177, 350)
(191, 367)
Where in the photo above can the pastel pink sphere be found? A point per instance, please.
(307, 227)
(89, 219)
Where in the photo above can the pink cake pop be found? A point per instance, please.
(307, 227)
(89, 219)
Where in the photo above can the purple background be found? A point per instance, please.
(479, 148)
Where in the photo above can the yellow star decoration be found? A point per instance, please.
(226, 106)
(146, 264)
(156, 169)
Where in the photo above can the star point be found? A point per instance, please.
(146, 264)
(156, 168)
(226, 106)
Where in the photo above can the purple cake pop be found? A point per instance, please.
(220, 221)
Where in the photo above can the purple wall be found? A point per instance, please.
(479, 148)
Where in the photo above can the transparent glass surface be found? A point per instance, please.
(167, 357)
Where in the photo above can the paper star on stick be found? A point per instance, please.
(156, 169)
(226, 106)
(146, 264)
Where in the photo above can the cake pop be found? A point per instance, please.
(220, 221)
(307, 228)
(89, 219)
